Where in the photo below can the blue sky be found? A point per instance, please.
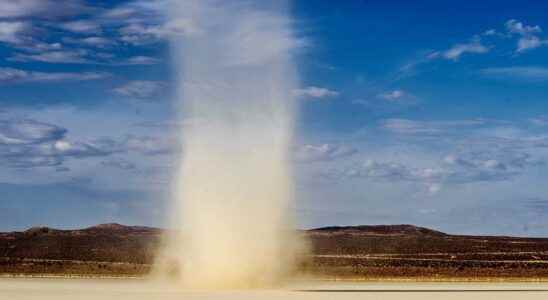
(425, 112)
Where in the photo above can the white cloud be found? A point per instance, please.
(142, 33)
(489, 32)
(26, 132)
(31, 45)
(457, 50)
(119, 164)
(314, 92)
(142, 60)
(140, 88)
(392, 95)
(406, 126)
(10, 32)
(528, 73)
(433, 189)
(96, 41)
(462, 168)
(41, 8)
(149, 145)
(530, 42)
(528, 39)
(119, 13)
(54, 57)
(81, 26)
(324, 152)
(10, 75)
(514, 26)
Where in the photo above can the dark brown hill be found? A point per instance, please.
(362, 251)
(106, 242)
(385, 230)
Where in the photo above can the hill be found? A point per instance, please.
(365, 251)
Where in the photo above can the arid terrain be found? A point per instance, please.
(359, 252)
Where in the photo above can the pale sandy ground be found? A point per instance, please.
(76, 289)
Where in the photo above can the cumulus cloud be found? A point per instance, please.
(324, 152)
(140, 88)
(28, 143)
(528, 38)
(526, 73)
(10, 32)
(315, 93)
(11, 75)
(26, 26)
(514, 26)
(529, 42)
(19, 34)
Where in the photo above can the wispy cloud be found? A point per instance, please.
(455, 52)
(10, 75)
(149, 145)
(525, 73)
(29, 143)
(45, 9)
(81, 26)
(68, 57)
(140, 89)
(413, 127)
(142, 60)
(539, 121)
(324, 152)
(393, 96)
(28, 132)
(528, 39)
(461, 168)
(97, 41)
(121, 164)
(315, 93)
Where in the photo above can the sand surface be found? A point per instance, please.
(118, 289)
